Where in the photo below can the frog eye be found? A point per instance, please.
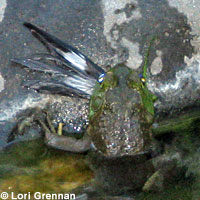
(101, 77)
(142, 79)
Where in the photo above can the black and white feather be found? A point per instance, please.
(74, 73)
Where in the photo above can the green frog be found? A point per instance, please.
(120, 136)
(121, 114)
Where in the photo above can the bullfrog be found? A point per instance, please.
(121, 115)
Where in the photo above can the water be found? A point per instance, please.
(30, 167)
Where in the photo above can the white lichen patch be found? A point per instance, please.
(3, 5)
(194, 61)
(157, 65)
(1, 83)
(187, 78)
(135, 59)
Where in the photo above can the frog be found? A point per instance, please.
(121, 116)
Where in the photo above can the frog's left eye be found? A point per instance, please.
(143, 80)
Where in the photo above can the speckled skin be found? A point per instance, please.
(119, 122)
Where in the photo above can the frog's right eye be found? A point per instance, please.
(101, 77)
(142, 79)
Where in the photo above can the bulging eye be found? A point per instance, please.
(142, 79)
(101, 77)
